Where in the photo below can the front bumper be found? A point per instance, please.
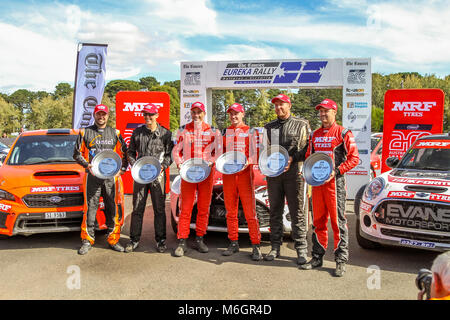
(411, 233)
(32, 223)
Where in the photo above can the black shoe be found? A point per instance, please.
(273, 253)
(311, 264)
(85, 247)
(181, 249)
(301, 257)
(340, 269)
(256, 253)
(161, 246)
(232, 248)
(117, 247)
(200, 245)
(131, 246)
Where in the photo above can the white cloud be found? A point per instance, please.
(184, 17)
(32, 61)
(246, 52)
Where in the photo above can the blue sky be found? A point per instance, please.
(151, 37)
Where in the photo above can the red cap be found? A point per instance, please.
(199, 105)
(281, 97)
(101, 107)
(150, 108)
(328, 104)
(236, 107)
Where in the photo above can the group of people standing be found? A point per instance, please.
(198, 139)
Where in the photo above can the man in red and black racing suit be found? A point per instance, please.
(328, 199)
(91, 141)
(239, 137)
(197, 140)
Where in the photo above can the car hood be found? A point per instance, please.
(21, 180)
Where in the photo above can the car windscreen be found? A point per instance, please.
(426, 159)
(373, 142)
(31, 150)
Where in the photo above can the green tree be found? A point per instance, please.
(377, 119)
(174, 104)
(148, 82)
(49, 113)
(9, 117)
(115, 86)
(62, 90)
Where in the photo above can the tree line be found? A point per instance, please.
(41, 110)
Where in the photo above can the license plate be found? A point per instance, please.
(55, 215)
(417, 243)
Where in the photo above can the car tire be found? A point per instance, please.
(362, 242)
(357, 201)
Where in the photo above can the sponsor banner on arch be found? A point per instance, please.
(89, 83)
(409, 114)
(356, 116)
(129, 116)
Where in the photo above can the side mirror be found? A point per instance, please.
(392, 162)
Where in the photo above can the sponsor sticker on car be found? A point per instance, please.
(416, 243)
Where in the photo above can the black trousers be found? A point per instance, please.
(290, 186)
(108, 189)
(158, 196)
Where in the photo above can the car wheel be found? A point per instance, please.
(358, 198)
(363, 242)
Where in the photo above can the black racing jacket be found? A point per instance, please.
(293, 134)
(92, 140)
(158, 144)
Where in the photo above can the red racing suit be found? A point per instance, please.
(329, 199)
(195, 141)
(240, 185)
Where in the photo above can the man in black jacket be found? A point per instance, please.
(92, 140)
(291, 133)
(150, 139)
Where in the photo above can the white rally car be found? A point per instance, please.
(409, 205)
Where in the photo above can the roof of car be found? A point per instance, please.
(441, 136)
(49, 131)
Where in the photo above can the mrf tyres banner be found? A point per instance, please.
(408, 115)
(89, 83)
(129, 116)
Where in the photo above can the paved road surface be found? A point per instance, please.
(46, 267)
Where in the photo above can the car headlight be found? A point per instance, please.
(5, 195)
(374, 188)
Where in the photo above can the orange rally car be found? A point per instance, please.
(41, 185)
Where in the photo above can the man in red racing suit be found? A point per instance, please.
(328, 199)
(197, 140)
(237, 137)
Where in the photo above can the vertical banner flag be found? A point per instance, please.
(129, 116)
(192, 89)
(89, 83)
(409, 114)
(356, 116)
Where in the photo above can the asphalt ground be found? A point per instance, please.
(47, 266)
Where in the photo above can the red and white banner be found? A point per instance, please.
(89, 83)
(409, 114)
(129, 116)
